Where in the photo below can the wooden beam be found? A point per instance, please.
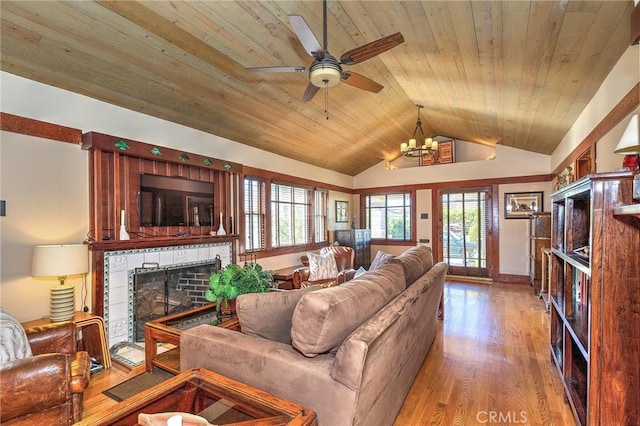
(40, 129)
(635, 25)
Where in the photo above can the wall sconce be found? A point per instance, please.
(60, 261)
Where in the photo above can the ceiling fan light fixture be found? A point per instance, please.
(325, 74)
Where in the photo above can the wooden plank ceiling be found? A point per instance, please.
(516, 73)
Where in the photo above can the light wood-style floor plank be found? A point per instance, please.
(489, 364)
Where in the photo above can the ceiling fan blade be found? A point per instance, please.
(310, 92)
(361, 82)
(277, 69)
(306, 36)
(369, 50)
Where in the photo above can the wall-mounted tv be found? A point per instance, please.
(174, 201)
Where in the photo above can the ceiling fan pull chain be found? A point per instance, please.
(326, 99)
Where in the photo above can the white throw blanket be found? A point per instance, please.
(13, 340)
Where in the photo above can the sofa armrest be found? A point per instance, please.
(272, 366)
(59, 337)
(34, 384)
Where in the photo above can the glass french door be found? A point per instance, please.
(465, 217)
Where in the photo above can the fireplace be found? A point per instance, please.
(119, 280)
(161, 291)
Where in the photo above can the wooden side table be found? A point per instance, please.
(94, 337)
(284, 277)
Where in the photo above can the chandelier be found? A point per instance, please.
(415, 147)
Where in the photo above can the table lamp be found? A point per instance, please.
(629, 144)
(60, 261)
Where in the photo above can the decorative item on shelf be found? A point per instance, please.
(234, 280)
(221, 230)
(629, 145)
(124, 235)
(428, 148)
(60, 261)
(564, 178)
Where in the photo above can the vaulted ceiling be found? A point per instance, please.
(516, 73)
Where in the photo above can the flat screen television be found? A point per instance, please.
(174, 201)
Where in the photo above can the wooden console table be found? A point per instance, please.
(94, 337)
(168, 329)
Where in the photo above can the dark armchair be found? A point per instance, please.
(48, 387)
(344, 261)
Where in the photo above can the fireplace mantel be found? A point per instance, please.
(143, 243)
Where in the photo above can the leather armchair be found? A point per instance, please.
(48, 387)
(344, 261)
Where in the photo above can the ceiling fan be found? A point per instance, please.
(325, 70)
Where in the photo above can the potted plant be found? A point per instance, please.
(234, 280)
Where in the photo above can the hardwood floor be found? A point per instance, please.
(489, 364)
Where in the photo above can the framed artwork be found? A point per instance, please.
(519, 205)
(446, 154)
(342, 211)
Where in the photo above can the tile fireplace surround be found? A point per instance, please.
(119, 269)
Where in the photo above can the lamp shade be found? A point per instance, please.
(60, 260)
(630, 140)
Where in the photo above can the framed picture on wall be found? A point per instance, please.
(342, 211)
(519, 205)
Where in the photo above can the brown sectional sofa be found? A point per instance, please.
(353, 350)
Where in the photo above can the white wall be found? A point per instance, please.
(46, 188)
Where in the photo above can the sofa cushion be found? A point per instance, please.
(323, 319)
(416, 261)
(322, 267)
(13, 340)
(269, 315)
(380, 259)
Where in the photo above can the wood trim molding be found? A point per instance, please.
(458, 184)
(267, 174)
(635, 25)
(626, 105)
(512, 279)
(40, 129)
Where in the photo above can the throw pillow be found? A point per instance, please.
(359, 272)
(416, 261)
(323, 319)
(13, 340)
(381, 258)
(322, 267)
(269, 315)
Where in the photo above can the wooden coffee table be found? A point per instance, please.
(218, 399)
(168, 329)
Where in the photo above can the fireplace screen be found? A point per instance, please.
(162, 291)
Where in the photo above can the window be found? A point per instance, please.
(297, 214)
(320, 216)
(254, 214)
(389, 216)
(290, 215)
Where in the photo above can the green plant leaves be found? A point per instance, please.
(234, 280)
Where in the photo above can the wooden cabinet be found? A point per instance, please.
(595, 298)
(360, 241)
(539, 231)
